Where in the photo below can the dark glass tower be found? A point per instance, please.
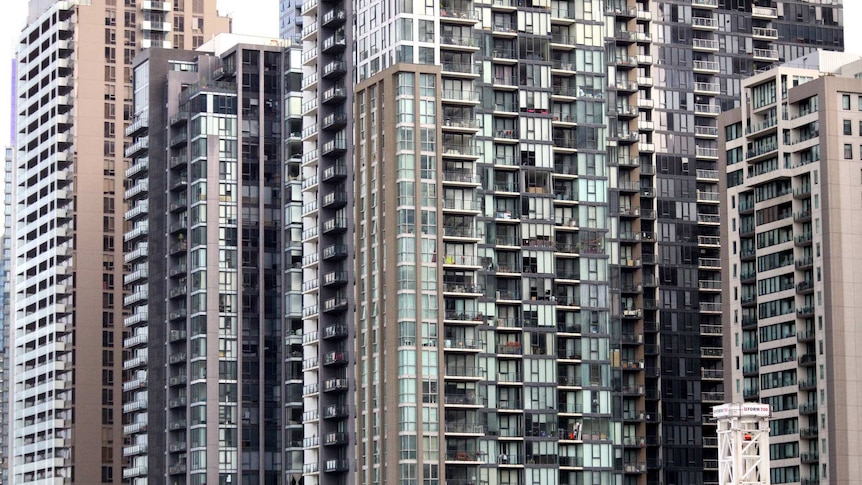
(213, 367)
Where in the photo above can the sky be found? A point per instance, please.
(261, 19)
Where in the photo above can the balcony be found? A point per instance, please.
(707, 109)
(336, 466)
(455, 96)
(810, 457)
(140, 123)
(707, 175)
(461, 124)
(138, 146)
(333, 121)
(712, 374)
(706, 67)
(464, 316)
(336, 225)
(461, 68)
(563, 65)
(706, 131)
(808, 408)
(465, 232)
(807, 360)
(177, 358)
(462, 205)
(763, 33)
(463, 371)
(462, 400)
(765, 54)
(709, 45)
(156, 26)
(463, 260)
(463, 288)
(707, 152)
(764, 12)
(509, 348)
(334, 278)
(805, 336)
(707, 88)
(334, 95)
(334, 68)
(336, 384)
(335, 304)
(709, 263)
(704, 23)
(465, 456)
(460, 177)
(338, 438)
(459, 150)
(335, 331)
(704, 3)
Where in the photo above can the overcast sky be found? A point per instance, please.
(261, 19)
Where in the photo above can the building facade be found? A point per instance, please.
(789, 163)
(5, 314)
(290, 19)
(555, 186)
(74, 102)
(215, 344)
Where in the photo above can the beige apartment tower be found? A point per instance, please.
(792, 181)
(74, 107)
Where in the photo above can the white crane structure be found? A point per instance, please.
(743, 443)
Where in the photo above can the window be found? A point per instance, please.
(845, 101)
(848, 128)
(848, 151)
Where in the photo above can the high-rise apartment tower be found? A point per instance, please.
(215, 343)
(529, 250)
(74, 103)
(791, 176)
